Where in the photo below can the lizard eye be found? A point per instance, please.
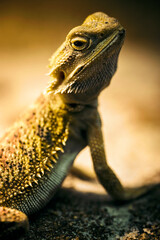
(79, 43)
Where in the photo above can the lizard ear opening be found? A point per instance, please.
(58, 74)
(57, 79)
(60, 77)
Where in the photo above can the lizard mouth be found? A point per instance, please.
(105, 45)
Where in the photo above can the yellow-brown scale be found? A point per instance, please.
(30, 149)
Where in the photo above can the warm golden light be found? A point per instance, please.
(129, 107)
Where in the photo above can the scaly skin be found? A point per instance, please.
(38, 151)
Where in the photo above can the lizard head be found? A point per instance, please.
(85, 63)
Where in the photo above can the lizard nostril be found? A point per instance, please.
(122, 32)
(115, 21)
(106, 22)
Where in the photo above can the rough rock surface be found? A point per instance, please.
(73, 215)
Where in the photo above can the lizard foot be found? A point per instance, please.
(13, 224)
(134, 193)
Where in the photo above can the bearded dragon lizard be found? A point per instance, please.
(37, 152)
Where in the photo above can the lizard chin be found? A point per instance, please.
(90, 77)
(97, 77)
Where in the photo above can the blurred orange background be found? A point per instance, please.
(30, 31)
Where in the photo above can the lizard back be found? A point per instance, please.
(30, 149)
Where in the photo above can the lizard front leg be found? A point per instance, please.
(105, 174)
(13, 224)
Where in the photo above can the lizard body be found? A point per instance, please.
(38, 151)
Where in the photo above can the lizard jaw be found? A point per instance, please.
(74, 78)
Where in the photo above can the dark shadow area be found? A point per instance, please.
(80, 216)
